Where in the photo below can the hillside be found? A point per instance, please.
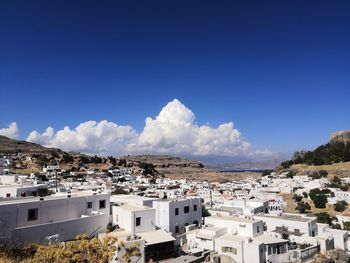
(33, 156)
(10, 146)
(336, 169)
(333, 157)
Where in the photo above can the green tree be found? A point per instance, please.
(122, 162)
(319, 197)
(340, 206)
(324, 218)
(303, 207)
(336, 226)
(346, 226)
(297, 198)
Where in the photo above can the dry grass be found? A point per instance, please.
(339, 169)
(291, 205)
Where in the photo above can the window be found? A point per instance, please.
(186, 209)
(33, 214)
(229, 250)
(195, 208)
(89, 205)
(176, 211)
(257, 229)
(102, 204)
(138, 221)
(177, 229)
(8, 195)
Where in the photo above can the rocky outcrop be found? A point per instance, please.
(340, 136)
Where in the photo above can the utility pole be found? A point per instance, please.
(211, 196)
(56, 181)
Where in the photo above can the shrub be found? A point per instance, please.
(303, 207)
(340, 206)
(297, 198)
(324, 218)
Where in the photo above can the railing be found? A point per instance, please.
(307, 253)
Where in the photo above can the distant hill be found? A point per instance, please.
(40, 155)
(159, 165)
(10, 146)
(247, 165)
(164, 161)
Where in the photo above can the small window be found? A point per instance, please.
(33, 214)
(176, 211)
(195, 207)
(257, 229)
(138, 221)
(102, 204)
(89, 205)
(229, 250)
(8, 195)
(177, 229)
(186, 209)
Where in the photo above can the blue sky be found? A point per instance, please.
(279, 70)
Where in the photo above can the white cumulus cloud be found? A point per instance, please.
(89, 137)
(173, 131)
(11, 131)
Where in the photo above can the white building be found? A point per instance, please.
(5, 164)
(345, 217)
(240, 238)
(132, 200)
(34, 219)
(134, 219)
(136, 224)
(52, 170)
(295, 224)
(339, 195)
(18, 190)
(242, 226)
(174, 215)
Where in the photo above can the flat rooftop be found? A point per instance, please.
(134, 208)
(29, 199)
(232, 237)
(288, 217)
(130, 198)
(156, 237)
(234, 218)
(266, 239)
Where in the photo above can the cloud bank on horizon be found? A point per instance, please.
(173, 131)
